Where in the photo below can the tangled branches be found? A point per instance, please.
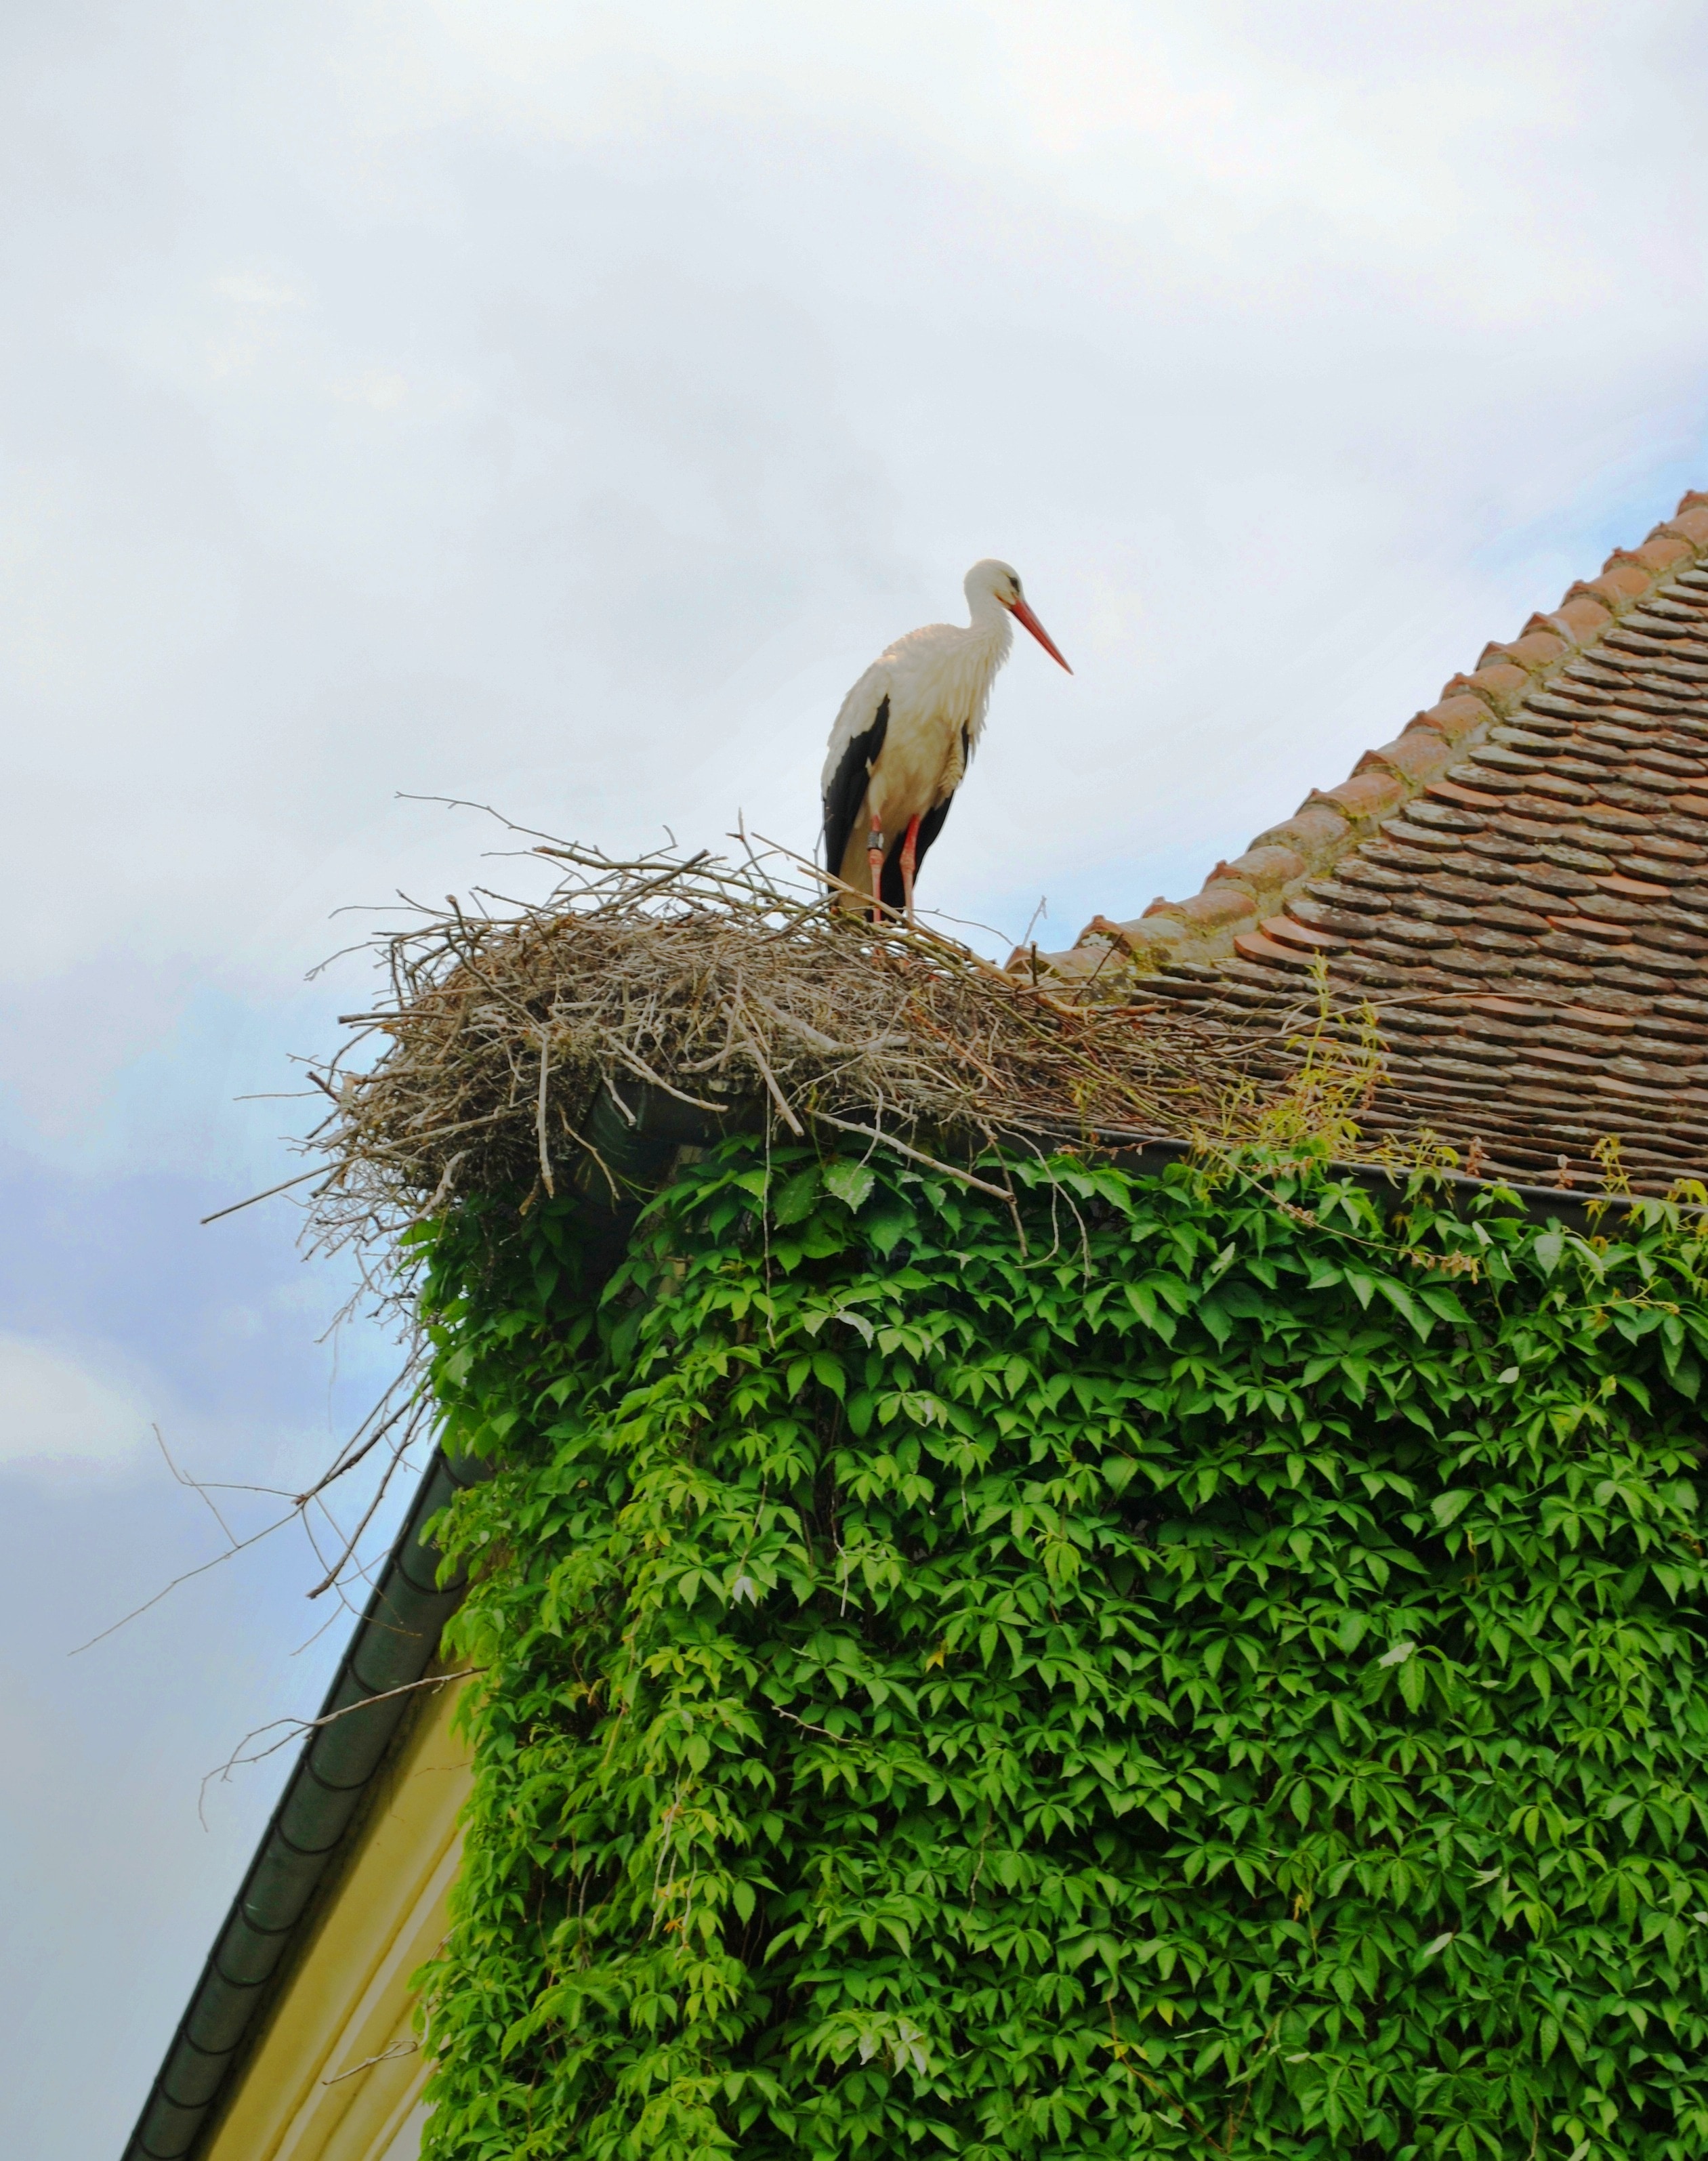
(724, 993)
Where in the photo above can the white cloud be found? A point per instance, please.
(58, 1417)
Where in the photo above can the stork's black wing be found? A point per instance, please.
(846, 787)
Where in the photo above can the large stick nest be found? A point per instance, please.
(729, 987)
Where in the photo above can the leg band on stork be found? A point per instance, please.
(874, 857)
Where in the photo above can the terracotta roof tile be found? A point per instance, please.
(1518, 880)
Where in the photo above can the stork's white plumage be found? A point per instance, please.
(906, 732)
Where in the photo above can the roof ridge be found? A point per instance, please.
(1237, 896)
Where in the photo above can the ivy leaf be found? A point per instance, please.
(1400, 1298)
(885, 1229)
(1217, 1319)
(850, 1183)
(798, 1198)
(1141, 1297)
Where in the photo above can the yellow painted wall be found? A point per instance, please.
(336, 2076)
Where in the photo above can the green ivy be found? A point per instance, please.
(1179, 1667)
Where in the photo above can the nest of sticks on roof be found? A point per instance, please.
(732, 992)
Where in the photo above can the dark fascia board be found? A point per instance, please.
(1387, 1186)
(639, 1143)
(395, 1640)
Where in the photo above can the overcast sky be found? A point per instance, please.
(557, 406)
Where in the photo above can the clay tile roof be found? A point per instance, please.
(1518, 883)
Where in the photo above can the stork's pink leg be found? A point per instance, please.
(874, 857)
(910, 864)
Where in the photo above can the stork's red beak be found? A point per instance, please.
(1022, 613)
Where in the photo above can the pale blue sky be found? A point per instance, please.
(558, 406)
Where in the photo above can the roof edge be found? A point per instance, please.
(1237, 896)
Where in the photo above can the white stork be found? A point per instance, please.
(904, 738)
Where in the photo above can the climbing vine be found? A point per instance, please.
(1186, 1666)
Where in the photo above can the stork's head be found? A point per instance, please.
(993, 580)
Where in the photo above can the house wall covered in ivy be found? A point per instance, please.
(1179, 1665)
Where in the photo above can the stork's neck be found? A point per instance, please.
(990, 624)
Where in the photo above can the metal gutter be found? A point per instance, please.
(395, 1640)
